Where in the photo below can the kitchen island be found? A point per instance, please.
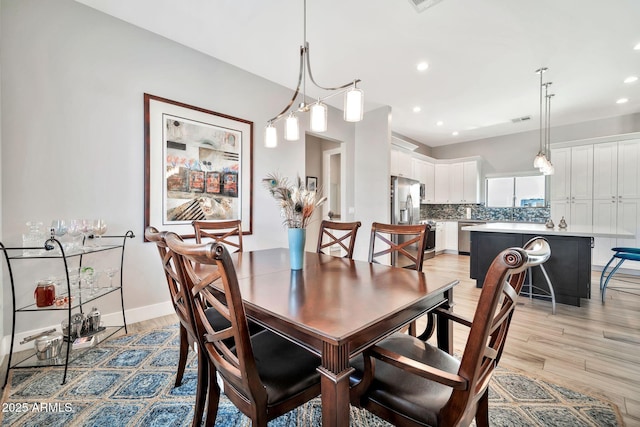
(569, 267)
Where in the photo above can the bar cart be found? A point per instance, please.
(72, 299)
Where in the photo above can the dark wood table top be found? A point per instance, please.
(332, 299)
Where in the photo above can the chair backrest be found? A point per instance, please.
(227, 232)
(491, 321)
(170, 266)
(342, 234)
(399, 240)
(236, 363)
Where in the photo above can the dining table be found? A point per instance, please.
(336, 308)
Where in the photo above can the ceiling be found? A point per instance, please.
(482, 54)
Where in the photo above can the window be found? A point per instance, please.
(516, 191)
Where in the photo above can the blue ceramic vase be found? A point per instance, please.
(297, 238)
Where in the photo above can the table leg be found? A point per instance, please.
(444, 327)
(334, 382)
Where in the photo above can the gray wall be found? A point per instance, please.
(515, 153)
(72, 89)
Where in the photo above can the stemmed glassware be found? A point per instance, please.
(99, 227)
(74, 231)
(110, 272)
(86, 228)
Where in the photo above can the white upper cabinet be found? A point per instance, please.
(573, 177)
(442, 173)
(401, 163)
(629, 169)
(456, 184)
(424, 172)
(471, 182)
(605, 171)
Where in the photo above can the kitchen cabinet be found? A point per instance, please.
(401, 163)
(616, 196)
(570, 284)
(73, 294)
(424, 172)
(457, 182)
(572, 185)
(451, 237)
(441, 236)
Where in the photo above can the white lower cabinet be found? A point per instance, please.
(451, 241)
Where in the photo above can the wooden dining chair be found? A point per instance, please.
(338, 234)
(264, 375)
(179, 298)
(409, 382)
(227, 232)
(398, 240)
(404, 243)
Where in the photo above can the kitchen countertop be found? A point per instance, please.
(541, 229)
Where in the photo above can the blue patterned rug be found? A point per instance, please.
(128, 381)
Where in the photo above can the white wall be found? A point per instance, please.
(2, 305)
(372, 189)
(72, 132)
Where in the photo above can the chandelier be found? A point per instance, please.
(353, 101)
(542, 160)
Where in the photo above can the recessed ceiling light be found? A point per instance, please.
(622, 101)
(417, 109)
(439, 123)
(630, 79)
(637, 47)
(455, 133)
(422, 66)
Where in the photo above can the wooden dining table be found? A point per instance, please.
(337, 307)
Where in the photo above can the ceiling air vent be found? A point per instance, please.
(422, 5)
(520, 119)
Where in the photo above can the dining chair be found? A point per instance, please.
(336, 235)
(409, 382)
(227, 232)
(180, 299)
(264, 375)
(406, 245)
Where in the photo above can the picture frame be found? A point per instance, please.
(198, 166)
(312, 183)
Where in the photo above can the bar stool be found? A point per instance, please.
(530, 290)
(622, 254)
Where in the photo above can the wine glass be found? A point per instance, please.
(110, 272)
(59, 227)
(86, 228)
(74, 232)
(99, 227)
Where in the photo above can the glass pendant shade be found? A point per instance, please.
(270, 136)
(539, 161)
(291, 128)
(353, 105)
(319, 117)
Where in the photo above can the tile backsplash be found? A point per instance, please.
(482, 213)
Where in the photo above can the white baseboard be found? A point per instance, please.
(134, 315)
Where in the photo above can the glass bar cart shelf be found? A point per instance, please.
(76, 296)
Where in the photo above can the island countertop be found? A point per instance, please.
(541, 229)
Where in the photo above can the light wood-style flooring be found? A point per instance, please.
(594, 348)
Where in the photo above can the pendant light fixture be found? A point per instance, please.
(353, 101)
(542, 161)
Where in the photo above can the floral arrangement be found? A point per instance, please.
(297, 203)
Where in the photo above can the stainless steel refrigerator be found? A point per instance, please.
(405, 209)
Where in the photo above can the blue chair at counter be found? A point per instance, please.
(621, 254)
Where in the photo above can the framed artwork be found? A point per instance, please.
(198, 166)
(312, 183)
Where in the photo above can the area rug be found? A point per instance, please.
(128, 381)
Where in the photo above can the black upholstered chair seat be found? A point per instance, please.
(285, 368)
(403, 392)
